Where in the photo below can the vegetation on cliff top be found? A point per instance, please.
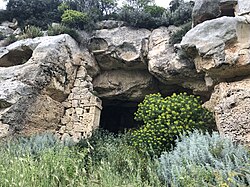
(85, 13)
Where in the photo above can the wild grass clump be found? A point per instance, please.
(31, 32)
(206, 160)
(103, 160)
(58, 29)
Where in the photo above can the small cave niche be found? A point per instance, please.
(16, 57)
(118, 116)
(98, 45)
(227, 10)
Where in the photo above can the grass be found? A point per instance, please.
(108, 160)
(42, 161)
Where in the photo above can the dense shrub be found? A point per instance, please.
(176, 37)
(73, 18)
(31, 32)
(206, 160)
(166, 118)
(141, 18)
(39, 13)
(62, 29)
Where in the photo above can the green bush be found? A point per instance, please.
(165, 119)
(176, 37)
(206, 160)
(61, 29)
(73, 18)
(31, 32)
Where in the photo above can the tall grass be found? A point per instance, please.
(106, 161)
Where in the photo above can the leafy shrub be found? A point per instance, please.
(206, 160)
(73, 18)
(62, 29)
(166, 118)
(31, 32)
(182, 13)
(176, 37)
(143, 18)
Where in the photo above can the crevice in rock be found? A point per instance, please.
(16, 57)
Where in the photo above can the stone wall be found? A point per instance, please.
(82, 109)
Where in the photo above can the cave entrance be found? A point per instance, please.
(118, 116)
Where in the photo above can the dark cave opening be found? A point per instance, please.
(118, 116)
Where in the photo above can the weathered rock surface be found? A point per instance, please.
(243, 7)
(124, 85)
(120, 48)
(171, 65)
(210, 9)
(220, 47)
(109, 24)
(36, 75)
(231, 105)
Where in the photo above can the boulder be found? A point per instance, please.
(210, 9)
(36, 76)
(170, 65)
(220, 47)
(120, 48)
(205, 10)
(125, 85)
(231, 104)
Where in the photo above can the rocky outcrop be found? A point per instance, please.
(170, 65)
(210, 9)
(120, 48)
(220, 48)
(243, 7)
(36, 76)
(125, 85)
(231, 105)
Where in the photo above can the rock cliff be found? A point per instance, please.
(51, 83)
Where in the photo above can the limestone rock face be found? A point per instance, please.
(36, 75)
(231, 105)
(210, 9)
(109, 24)
(124, 85)
(205, 10)
(243, 7)
(120, 48)
(169, 64)
(220, 47)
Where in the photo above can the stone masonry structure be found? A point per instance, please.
(82, 109)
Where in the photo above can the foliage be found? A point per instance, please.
(34, 12)
(176, 37)
(31, 32)
(141, 18)
(104, 160)
(181, 13)
(10, 39)
(167, 118)
(62, 29)
(73, 18)
(206, 160)
(112, 153)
